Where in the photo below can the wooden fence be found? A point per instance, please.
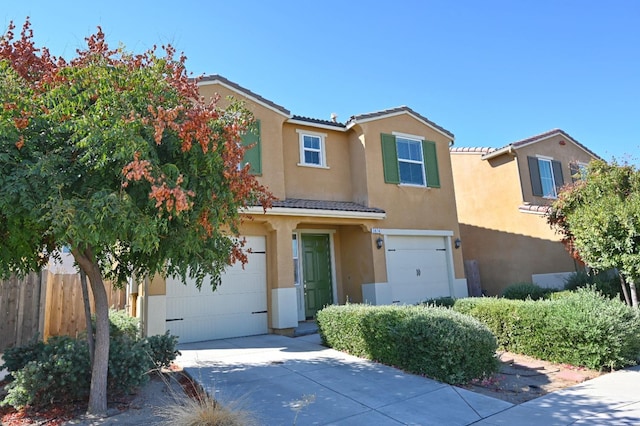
(64, 307)
(46, 304)
(20, 309)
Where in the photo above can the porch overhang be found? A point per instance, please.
(318, 208)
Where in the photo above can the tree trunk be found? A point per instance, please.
(623, 284)
(87, 314)
(99, 370)
(634, 295)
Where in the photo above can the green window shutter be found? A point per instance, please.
(534, 173)
(390, 158)
(557, 173)
(431, 164)
(253, 155)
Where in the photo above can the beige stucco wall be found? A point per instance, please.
(407, 207)
(317, 183)
(271, 125)
(509, 245)
(488, 192)
(361, 262)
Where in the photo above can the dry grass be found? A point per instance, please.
(198, 408)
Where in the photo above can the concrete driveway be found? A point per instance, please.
(279, 378)
(286, 381)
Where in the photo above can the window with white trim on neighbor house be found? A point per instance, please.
(546, 176)
(409, 160)
(312, 149)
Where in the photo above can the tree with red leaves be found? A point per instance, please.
(598, 218)
(116, 156)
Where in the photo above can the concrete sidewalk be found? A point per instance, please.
(286, 381)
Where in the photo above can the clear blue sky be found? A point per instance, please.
(492, 72)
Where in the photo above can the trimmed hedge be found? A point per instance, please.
(524, 291)
(581, 328)
(436, 342)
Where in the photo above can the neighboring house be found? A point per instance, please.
(502, 197)
(366, 212)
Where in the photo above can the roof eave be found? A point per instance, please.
(401, 110)
(324, 213)
(498, 152)
(317, 125)
(215, 79)
(553, 133)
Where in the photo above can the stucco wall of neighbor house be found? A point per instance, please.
(510, 245)
(271, 125)
(332, 182)
(552, 148)
(410, 207)
(488, 193)
(506, 258)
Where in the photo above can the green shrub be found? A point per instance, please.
(162, 349)
(121, 323)
(592, 330)
(436, 342)
(445, 301)
(17, 357)
(582, 328)
(524, 291)
(60, 372)
(606, 283)
(499, 315)
(129, 365)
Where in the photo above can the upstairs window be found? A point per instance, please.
(253, 154)
(546, 176)
(312, 149)
(409, 160)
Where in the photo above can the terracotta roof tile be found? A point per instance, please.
(297, 203)
(396, 110)
(319, 121)
(471, 149)
(214, 77)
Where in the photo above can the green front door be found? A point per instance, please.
(316, 271)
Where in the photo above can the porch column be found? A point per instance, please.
(284, 302)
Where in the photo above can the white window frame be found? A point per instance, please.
(295, 243)
(547, 160)
(421, 161)
(321, 151)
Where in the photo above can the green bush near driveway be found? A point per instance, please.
(581, 328)
(59, 370)
(436, 342)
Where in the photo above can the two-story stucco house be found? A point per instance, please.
(366, 212)
(502, 197)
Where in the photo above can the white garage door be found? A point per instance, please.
(237, 308)
(417, 268)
